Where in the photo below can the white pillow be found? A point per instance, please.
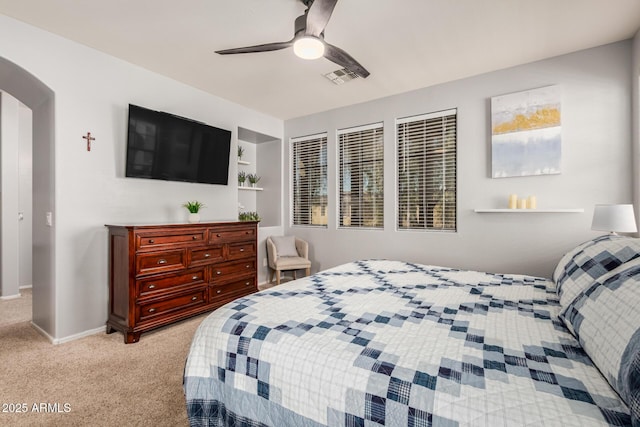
(285, 245)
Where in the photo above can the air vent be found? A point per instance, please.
(341, 76)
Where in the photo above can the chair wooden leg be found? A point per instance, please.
(307, 271)
(270, 275)
(294, 275)
(277, 277)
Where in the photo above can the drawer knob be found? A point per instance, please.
(218, 272)
(151, 310)
(248, 266)
(162, 261)
(194, 278)
(195, 237)
(194, 298)
(152, 241)
(241, 249)
(247, 284)
(218, 235)
(152, 286)
(218, 291)
(207, 255)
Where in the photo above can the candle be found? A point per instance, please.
(513, 201)
(522, 203)
(532, 203)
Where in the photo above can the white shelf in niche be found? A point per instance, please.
(525, 211)
(250, 188)
(242, 162)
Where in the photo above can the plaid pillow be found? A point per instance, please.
(605, 318)
(590, 260)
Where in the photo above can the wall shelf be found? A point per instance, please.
(525, 211)
(250, 188)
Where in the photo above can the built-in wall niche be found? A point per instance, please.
(262, 156)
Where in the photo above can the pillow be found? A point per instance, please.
(605, 318)
(285, 245)
(590, 260)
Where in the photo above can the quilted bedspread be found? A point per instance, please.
(390, 343)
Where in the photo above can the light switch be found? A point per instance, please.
(49, 219)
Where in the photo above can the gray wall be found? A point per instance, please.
(596, 168)
(635, 110)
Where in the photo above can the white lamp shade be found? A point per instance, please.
(614, 218)
(308, 48)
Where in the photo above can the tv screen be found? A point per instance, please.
(172, 148)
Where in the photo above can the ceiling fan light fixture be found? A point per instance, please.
(308, 48)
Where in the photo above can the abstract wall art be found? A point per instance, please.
(526, 133)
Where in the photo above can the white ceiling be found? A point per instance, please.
(405, 44)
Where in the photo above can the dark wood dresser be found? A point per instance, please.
(160, 274)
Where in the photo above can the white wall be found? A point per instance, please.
(92, 93)
(635, 113)
(596, 168)
(9, 199)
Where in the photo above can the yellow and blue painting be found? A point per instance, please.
(526, 133)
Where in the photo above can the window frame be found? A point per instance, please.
(323, 176)
(398, 182)
(339, 170)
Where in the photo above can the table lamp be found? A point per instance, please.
(614, 219)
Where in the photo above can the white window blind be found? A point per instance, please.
(361, 157)
(427, 183)
(309, 164)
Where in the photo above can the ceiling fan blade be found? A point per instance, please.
(258, 48)
(342, 58)
(318, 16)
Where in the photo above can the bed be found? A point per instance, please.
(383, 342)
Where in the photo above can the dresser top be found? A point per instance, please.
(181, 224)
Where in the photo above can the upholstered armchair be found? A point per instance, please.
(287, 253)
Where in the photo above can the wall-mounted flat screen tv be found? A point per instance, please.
(172, 148)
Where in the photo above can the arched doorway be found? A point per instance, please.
(40, 99)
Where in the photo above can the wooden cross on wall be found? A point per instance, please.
(89, 138)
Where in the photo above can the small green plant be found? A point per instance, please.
(194, 207)
(242, 177)
(253, 178)
(240, 152)
(249, 216)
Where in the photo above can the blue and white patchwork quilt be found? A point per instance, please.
(389, 343)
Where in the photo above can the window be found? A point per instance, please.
(309, 180)
(361, 182)
(427, 172)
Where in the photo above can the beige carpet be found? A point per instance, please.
(103, 381)
(17, 309)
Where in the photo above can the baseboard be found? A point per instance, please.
(26, 287)
(10, 297)
(74, 337)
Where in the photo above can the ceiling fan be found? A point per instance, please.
(308, 39)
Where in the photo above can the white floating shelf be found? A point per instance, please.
(250, 188)
(524, 211)
(242, 162)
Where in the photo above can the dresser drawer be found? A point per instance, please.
(159, 262)
(167, 306)
(227, 235)
(232, 290)
(222, 272)
(242, 250)
(162, 239)
(164, 283)
(205, 256)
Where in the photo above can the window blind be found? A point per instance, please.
(361, 166)
(309, 184)
(427, 178)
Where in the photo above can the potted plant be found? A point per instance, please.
(253, 179)
(249, 216)
(242, 177)
(194, 209)
(240, 152)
